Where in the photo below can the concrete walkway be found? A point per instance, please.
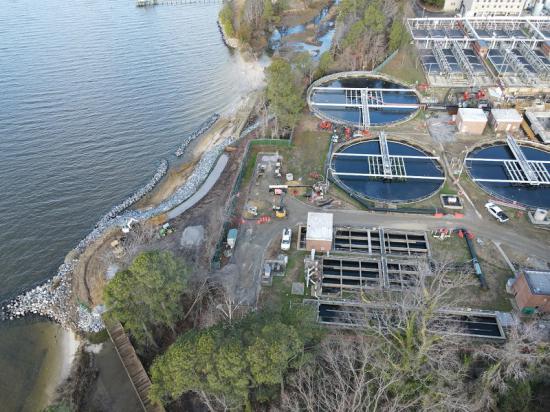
(203, 190)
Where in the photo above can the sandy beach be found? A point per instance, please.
(59, 366)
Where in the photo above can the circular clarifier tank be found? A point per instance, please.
(501, 165)
(339, 100)
(412, 175)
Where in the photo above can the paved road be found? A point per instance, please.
(254, 239)
(486, 228)
(203, 190)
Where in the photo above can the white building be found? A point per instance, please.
(476, 8)
(451, 5)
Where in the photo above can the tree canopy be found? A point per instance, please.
(366, 31)
(232, 365)
(147, 294)
(283, 93)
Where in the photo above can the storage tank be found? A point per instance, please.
(537, 10)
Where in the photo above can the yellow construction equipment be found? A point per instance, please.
(280, 210)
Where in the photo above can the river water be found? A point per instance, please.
(94, 94)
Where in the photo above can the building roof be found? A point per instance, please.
(538, 281)
(472, 115)
(539, 121)
(319, 226)
(506, 115)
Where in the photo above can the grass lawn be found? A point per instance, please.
(405, 66)
(341, 194)
(279, 293)
(454, 249)
(435, 201)
(249, 169)
(495, 297)
(307, 154)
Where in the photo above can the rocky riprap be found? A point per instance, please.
(207, 124)
(52, 299)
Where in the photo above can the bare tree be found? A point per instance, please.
(135, 240)
(523, 356)
(252, 12)
(400, 358)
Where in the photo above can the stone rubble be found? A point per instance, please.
(52, 299)
(207, 124)
(256, 125)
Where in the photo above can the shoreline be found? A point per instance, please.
(206, 145)
(56, 299)
(69, 347)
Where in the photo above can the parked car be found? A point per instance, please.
(287, 238)
(496, 212)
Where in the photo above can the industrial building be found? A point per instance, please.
(473, 8)
(319, 231)
(532, 291)
(471, 121)
(540, 124)
(505, 120)
(507, 51)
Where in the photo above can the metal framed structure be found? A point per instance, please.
(491, 31)
(352, 276)
(363, 99)
(385, 165)
(519, 170)
(452, 321)
(380, 241)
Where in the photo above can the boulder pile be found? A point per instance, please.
(207, 124)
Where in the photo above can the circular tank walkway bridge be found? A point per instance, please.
(519, 170)
(384, 165)
(364, 99)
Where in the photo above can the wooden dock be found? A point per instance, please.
(139, 378)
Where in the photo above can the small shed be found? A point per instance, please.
(505, 120)
(471, 121)
(232, 238)
(319, 231)
(532, 291)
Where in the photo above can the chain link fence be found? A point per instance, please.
(230, 211)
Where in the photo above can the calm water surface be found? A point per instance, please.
(388, 190)
(94, 93)
(534, 196)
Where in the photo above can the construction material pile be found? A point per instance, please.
(50, 299)
(139, 194)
